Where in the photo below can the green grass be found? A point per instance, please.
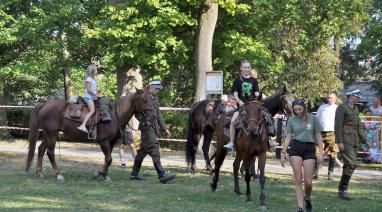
(23, 191)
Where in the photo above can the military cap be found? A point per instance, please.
(355, 92)
(156, 84)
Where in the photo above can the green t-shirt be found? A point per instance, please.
(304, 132)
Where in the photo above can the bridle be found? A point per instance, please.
(257, 121)
(141, 104)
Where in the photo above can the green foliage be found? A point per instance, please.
(369, 51)
(186, 193)
(315, 76)
(18, 118)
(177, 122)
(283, 39)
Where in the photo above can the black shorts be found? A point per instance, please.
(127, 138)
(302, 149)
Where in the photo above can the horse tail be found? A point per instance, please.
(33, 134)
(190, 147)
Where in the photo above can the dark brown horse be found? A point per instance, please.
(252, 142)
(200, 122)
(49, 116)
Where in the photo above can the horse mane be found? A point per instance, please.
(272, 102)
(122, 106)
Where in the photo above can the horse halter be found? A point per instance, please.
(247, 121)
(143, 103)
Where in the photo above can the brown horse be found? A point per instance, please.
(49, 116)
(200, 122)
(252, 142)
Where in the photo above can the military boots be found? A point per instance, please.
(342, 188)
(163, 178)
(134, 173)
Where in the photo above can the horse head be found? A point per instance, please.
(253, 121)
(142, 101)
(286, 101)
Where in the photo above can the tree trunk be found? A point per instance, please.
(3, 116)
(207, 23)
(337, 53)
(68, 92)
(68, 85)
(128, 79)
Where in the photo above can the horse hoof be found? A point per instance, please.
(40, 176)
(107, 179)
(209, 168)
(213, 187)
(238, 192)
(249, 202)
(60, 178)
(95, 175)
(263, 208)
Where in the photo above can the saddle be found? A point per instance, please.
(77, 112)
(238, 126)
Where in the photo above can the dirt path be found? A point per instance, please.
(169, 158)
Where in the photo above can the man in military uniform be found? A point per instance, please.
(349, 132)
(149, 119)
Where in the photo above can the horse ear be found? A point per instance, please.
(260, 97)
(285, 89)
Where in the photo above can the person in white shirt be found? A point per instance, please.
(376, 109)
(91, 94)
(325, 115)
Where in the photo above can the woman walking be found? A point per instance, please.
(303, 132)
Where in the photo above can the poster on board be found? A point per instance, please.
(214, 81)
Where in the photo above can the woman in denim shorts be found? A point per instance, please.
(303, 132)
(90, 95)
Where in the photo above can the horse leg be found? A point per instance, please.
(106, 149)
(51, 144)
(219, 159)
(41, 152)
(247, 165)
(206, 148)
(262, 160)
(196, 143)
(253, 168)
(236, 166)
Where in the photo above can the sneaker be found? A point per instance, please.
(123, 165)
(229, 145)
(83, 129)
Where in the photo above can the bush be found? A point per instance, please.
(177, 122)
(18, 117)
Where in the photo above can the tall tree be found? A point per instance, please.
(207, 23)
(369, 51)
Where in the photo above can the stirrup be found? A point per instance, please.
(230, 146)
(92, 134)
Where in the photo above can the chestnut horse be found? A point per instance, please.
(49, 116)
(200, 122)
(253, 141)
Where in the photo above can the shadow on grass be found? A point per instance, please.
(22, 191)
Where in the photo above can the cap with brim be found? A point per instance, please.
(156, 84)
(355, 92)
